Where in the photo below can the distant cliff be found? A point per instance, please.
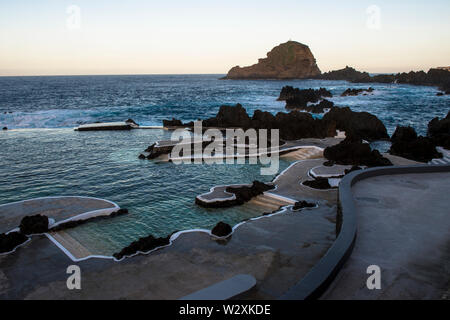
(290, 60)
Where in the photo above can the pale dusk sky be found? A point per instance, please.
(59, 37)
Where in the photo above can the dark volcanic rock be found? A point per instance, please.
(11, 240)
(297, 98)
(34, 224)
(245, 193)
(222, 229)
(242, 194)
(434, 77)
(329, 163)
(75, 223)
(406, 144)
(5, 128)
(131, 121)
(355, 92)
(143, 245)
(303, 204)
(348, 74)
(439, 131)
(290, 60)
(354, 152)
(318, 183)
(172, 123)
(360, 124)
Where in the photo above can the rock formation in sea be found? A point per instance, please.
(299, 99)
(358, 124)
(222, 229)
(355, 92)
(439, 131)
(352, 151)
(406, 144)
(434, 77)
(290, 60)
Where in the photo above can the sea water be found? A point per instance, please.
(43, 156)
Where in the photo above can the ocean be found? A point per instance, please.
(43, 156)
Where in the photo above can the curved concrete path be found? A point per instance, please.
(403, 224)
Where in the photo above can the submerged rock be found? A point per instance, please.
(34, 224)
(406, 144)
(172, 123)
(5, 128)
(352, 151)
(143, 245)
(439, 131)
(290, 60)
(303, 204)
(222, 229)
(11, 240)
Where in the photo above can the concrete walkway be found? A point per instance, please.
(57, 208)
(403, 224)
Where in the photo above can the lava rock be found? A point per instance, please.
(355, 92)
(11, 240)
(246, 193)
(131, 121)
(290, 60)
(172, 123)
(144, 245)
(222, 229)
(360, 124)
(34, 224)
(302, 204)
(351, 151)
(406, 144)
(5, 128)
(297, 98)
(318, 183)
(74, 223)
(329, 163)
(439, 131)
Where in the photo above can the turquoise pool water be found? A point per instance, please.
(160, 196)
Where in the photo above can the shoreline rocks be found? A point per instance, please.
(222, 229)
(318, 183)
(439, 131)
(299, 99)
(34, 224)
(438, 77)
(143, 245)
(10, 241)
(5, 128)
(74, 223)
(290, 60)
(406, 144)
(352, 151)
(302, 204)
(355, 92)
(242, 194)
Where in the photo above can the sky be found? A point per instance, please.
(77, 37)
